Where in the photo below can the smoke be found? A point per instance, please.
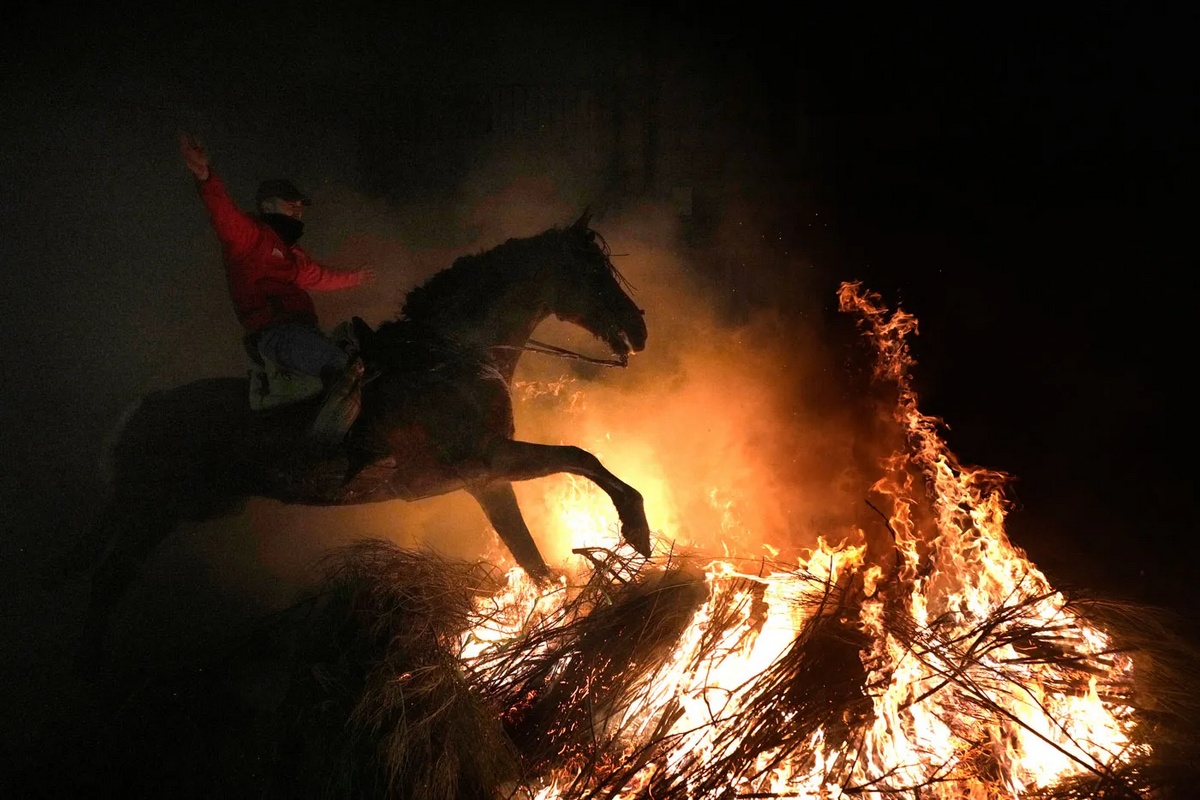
(739, 428)
(735, 431)
(731, 423)
(741, 431)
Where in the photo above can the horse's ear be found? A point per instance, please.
(584, 220)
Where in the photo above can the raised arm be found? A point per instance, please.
(234, 228)
(194, 156)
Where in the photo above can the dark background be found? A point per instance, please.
(1020, 179)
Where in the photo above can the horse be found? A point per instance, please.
(436, 416)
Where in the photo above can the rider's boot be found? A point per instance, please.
(343, 400)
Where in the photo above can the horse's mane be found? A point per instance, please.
(472, 281)
(476, 278)
(415, 338)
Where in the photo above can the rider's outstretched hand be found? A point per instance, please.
(194, 156)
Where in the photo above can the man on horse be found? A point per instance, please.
(270, 278)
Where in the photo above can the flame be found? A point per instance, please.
(981, 666)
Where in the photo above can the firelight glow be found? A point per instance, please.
(962, 705)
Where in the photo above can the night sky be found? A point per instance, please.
(1022, 180)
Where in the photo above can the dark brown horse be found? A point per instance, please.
(437, 416)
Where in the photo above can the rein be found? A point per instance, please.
(534, 346)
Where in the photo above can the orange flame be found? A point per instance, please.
(935, 699)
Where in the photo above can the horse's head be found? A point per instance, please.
(592, 294)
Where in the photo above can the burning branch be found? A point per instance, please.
(961, 674)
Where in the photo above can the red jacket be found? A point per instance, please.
(267, 278)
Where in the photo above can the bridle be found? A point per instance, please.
(534, 346)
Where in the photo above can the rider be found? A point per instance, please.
(270, 277)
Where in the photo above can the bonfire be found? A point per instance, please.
(947, 667)
(950, 669)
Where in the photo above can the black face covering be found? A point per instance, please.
(289, 229)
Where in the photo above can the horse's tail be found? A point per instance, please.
(82, 554)
(107, 462)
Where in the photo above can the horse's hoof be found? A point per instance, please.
(543, 578)
(634, 528)
(638, 537)
(548, 581)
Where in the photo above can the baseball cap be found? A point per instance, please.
(281, 188)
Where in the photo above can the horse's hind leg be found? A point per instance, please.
(520, 461)
(81, 556)
(499, 503)
(131, 534)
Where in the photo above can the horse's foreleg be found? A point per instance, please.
(499, 503)
(520, 461)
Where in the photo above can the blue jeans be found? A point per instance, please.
(302, 348)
